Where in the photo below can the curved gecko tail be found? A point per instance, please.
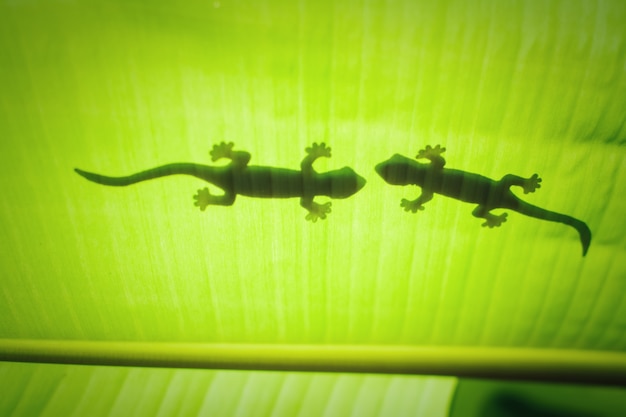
(539, 213)
(162, 171)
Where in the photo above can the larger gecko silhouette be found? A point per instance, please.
(472, 188)
(255, 181)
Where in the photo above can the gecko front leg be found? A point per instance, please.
(434, 155)
(316, 211)
(415, 205)
(314, 152)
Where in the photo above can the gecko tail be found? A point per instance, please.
(105, 180)
(162, 171)
(539, 213)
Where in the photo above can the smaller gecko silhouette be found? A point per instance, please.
(472, 188)
(255, 181)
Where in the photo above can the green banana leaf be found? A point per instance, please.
(117, 87)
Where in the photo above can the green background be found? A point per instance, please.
(116, 87)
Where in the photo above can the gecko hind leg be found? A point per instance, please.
(204, 198)
(528, 184)
(225, 150)
(483, 212)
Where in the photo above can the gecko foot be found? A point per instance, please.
(222, 150)
(203, 198)
(317, 150)
(531, 184)
(412, 206)
(430, 152)
(494, 221)
(318, 211)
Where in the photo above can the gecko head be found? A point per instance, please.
(345, 182)
(395, 169)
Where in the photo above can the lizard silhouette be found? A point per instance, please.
(238, 177)
(472, 188)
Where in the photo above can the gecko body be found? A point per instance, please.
(488, 194)
(239, 178)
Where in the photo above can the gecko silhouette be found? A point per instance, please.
(472, 188)
(255, 181)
